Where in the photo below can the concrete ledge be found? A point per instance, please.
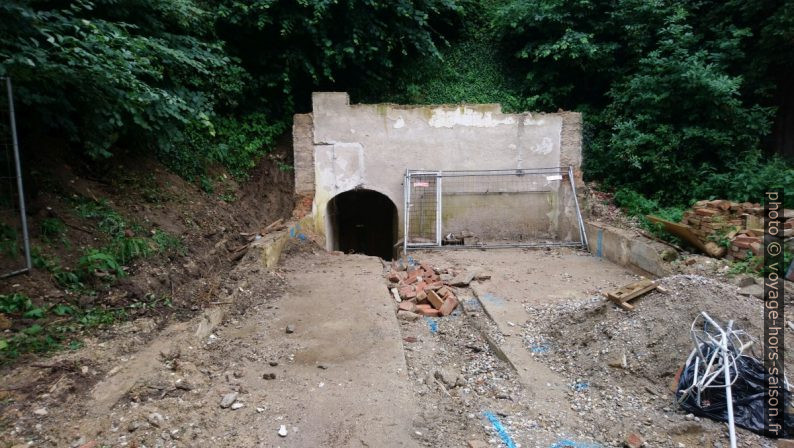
(269, 248)
(626, 248)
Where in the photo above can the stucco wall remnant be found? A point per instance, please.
(303, 148)
(371, 145)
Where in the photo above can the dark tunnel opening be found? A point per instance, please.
(363, 222)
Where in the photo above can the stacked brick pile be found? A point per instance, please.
(721, 223)
(717, 222)
(744, 243)
(421, 291)
(710, 219)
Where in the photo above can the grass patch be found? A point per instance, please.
(59, 326)
(638, 206)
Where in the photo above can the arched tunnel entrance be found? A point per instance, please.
(364, 222)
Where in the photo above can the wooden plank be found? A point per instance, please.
(630, 291)
(623, 295)
(640, 290)
(624, 305)
(682, 231)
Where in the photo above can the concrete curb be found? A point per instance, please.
(627, 249)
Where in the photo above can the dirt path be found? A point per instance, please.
(342, 376)
(338, 378)
(348, 373)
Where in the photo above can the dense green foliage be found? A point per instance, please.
(679, 97)
(197, 82)
(109, 71)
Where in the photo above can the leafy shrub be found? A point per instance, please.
(97, 261)
(679, 111)
(748, 179)
(125, 249)
(108, 220)
(41, 260)
(101, 71)
(673, 93)
(234, 143)
(53, 229)
(167, 243)
(16, 303)
(636, 205)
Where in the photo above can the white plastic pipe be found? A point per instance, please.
(726, 366)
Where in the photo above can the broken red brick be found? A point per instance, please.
(420, 286)
(434, 299)
(449, 306)
(429, 311)
(394, 277)
(407, 292)
(421, 296)
(407, 305)
(706, 212)
(442, 291)
(747, 239)
(435, 286)
(634, 440)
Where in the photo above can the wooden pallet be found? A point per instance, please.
(623, 295)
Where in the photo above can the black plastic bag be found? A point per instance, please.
(748, 398)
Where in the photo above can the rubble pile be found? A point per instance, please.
(422, 290)
(733, 230)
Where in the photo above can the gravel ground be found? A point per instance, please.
(587, 340)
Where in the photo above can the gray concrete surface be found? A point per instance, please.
(627, 248)
(371, 145)
(344, 321)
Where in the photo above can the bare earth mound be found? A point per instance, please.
(622, 364)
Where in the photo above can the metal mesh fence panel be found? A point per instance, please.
(422, 211)
(14, 244)
(495, 208)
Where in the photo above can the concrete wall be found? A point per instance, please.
(371, 145)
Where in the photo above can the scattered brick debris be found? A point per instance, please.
(425, 290)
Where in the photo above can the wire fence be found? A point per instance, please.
(494, 208)
(14, 241)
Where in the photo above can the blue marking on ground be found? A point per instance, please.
(472, 304)
(566, 443)
(488, 297)
(500, 430)
(581, 386)
(539, 348)
(432, 324)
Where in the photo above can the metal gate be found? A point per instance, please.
(14, 241)
(422, 208)
(442, 206)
